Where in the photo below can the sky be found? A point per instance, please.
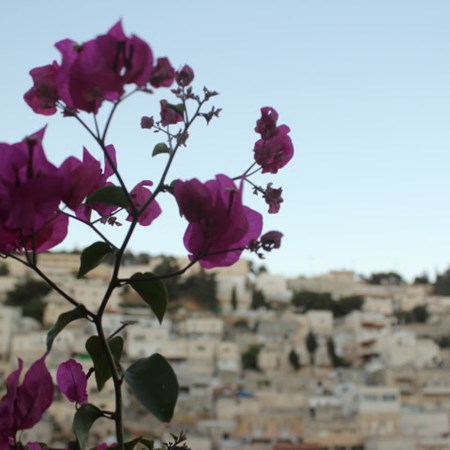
(364, 86)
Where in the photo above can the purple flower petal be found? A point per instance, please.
(220, 226)
(140, 195)
(34, 396)
(72, 381)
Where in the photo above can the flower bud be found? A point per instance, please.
(273, 198)
(147, 122)
(163, 74)
(271, 240)
(185, 76)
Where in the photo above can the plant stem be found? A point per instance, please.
(93, 227)
(114, 282)
(117, 381)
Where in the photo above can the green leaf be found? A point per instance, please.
(139, 440)
(63, 320)
(147, 443)
(92, 256)
(179, 108)
(152, 290)
(161, 148)
(131, 444)
(110, 195)
(101, 367)
(85, 416)
(154, 383)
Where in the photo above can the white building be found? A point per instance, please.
(402, 348)
(274, 287)
(379, 410)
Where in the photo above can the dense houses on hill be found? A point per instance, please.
(265, 367)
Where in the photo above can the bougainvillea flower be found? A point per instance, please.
(185, 76)
(25, 170)
(273, 198)
(271, 240)
(274, 150)
(100, 180)
(99, 69)
(42, 97)
(147, 122)
(23, 405)
(86, 77)
(220, 226)
(140, 195)
(9, 240)
(81, 178)
(274, 153)
(169, 115)
(133, 60)
(163, 74)
(105, 446)
(31, 190)
(72, 381)
(34, 446)
(266, 126)
(33, 202)
(50, 235)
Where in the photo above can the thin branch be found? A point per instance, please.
(93, 227)
(97, 129)
(50, 282)
(113, 109)
(247, 173)
(124, 325)
(124, 281)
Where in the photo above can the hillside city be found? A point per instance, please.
(264, 362)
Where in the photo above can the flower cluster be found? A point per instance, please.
(32, 189)
(23, 405)
(92, 72)
(220, 226)
(99, 70)
(275, 149)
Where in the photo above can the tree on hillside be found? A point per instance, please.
(346, 305)
(29, 296)
(234, 301)
(258, 300)
(250, 358)
(306, 300)
(4, 270)
(311, 346)
(442, 284)
(294, 360)
(335, 359)
(421, 279)
(420, 313)
(385, 279)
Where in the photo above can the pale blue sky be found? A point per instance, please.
(364, 86)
